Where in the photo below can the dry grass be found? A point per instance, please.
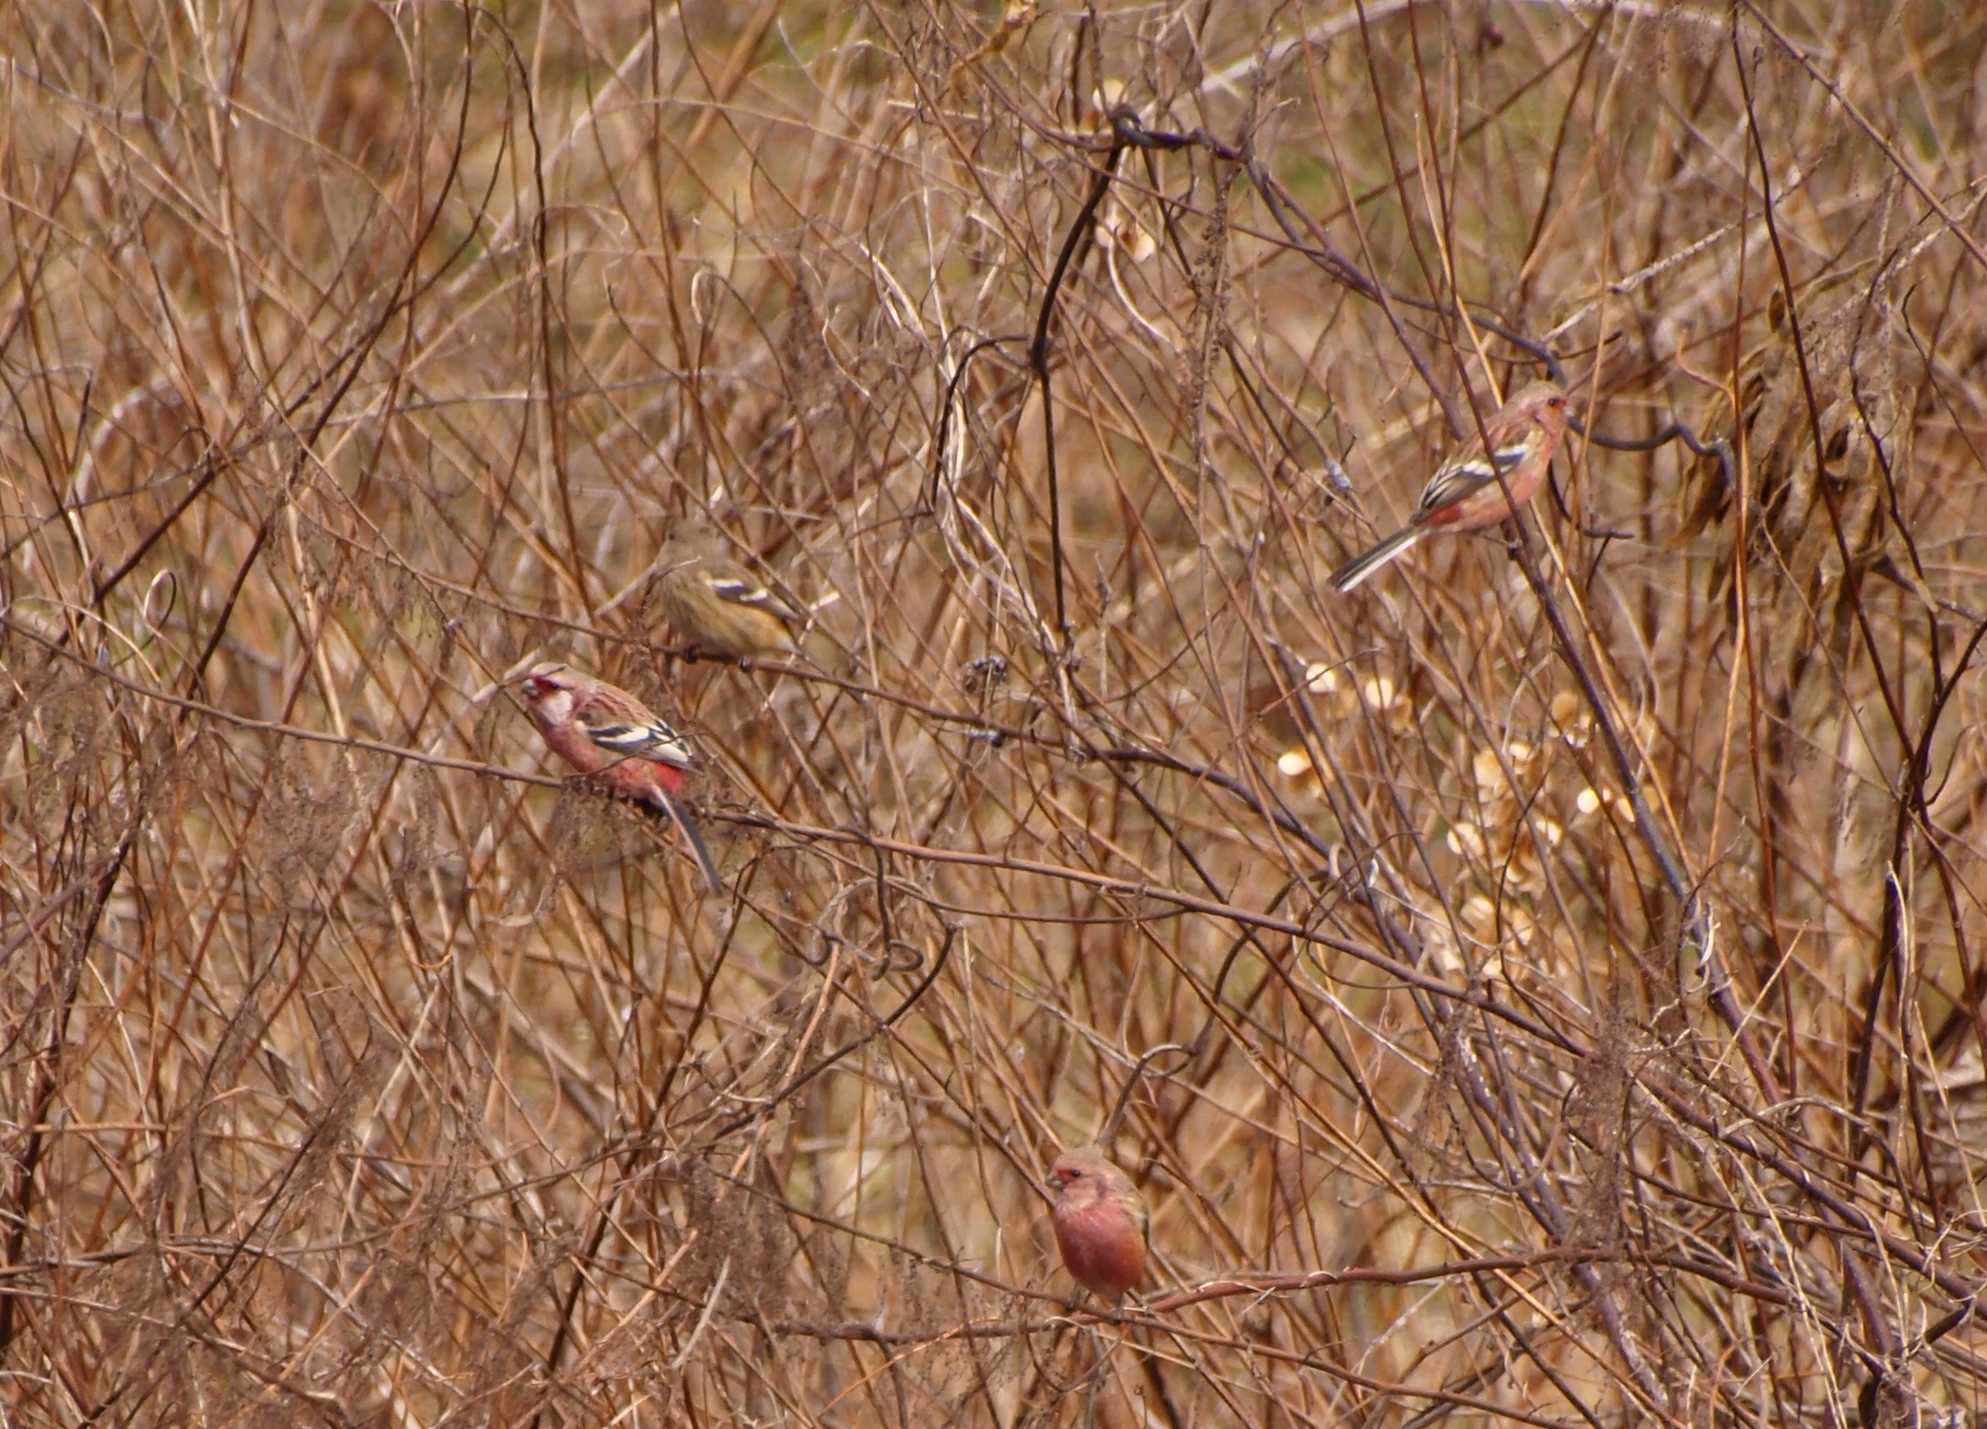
(1541, 990)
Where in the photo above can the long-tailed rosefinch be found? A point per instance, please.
(1810, 507)
(1100, 1222)
(601, 729)
(717, 605)
(1464, 494)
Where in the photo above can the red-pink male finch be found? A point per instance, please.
(1100, 1221)
(1464, 494)
(602, 730)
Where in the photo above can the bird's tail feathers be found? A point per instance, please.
(700, 851)
(1366, 562)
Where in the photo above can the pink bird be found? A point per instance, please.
(1100, 1221)
(601, 729)
(1464, 494)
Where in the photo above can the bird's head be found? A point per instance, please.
(1074, 1167)
(1546, 404)
(545, 680)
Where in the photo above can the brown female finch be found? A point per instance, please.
(1100, 1222)
(603, 730)
(715, 604)
(1464, 494)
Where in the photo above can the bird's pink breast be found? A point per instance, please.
(1101, 1246)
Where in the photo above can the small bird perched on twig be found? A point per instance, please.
(715, 604)
(1101, 1222)
(601, 729)
(1464, 493)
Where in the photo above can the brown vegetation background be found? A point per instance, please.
(1543, 986)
